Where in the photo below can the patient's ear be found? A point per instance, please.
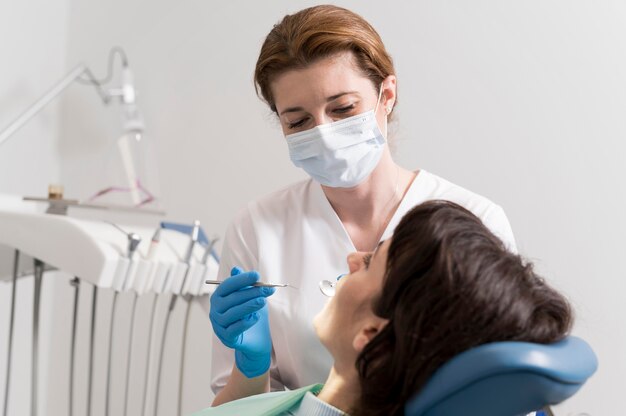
(368, 331)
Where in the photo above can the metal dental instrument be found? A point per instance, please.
(39, 267)
(160, 363)
(181, 367)
(149, 356)
(133, 242)
(205, 258)
(209, 251)
(154, 243)
(131, 337)
(329, 288)
(75, 282)
(257, 284)
(195, 233)
(110, 354)
(7, 383)
(92, 336)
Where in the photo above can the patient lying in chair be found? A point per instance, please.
(441, 285)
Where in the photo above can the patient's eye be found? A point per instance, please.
(366, 260)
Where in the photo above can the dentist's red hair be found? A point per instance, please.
(315, 33)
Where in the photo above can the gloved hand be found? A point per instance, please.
(240, 320)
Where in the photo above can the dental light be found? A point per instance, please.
(132, 124)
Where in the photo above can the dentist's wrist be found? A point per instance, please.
(252, 365)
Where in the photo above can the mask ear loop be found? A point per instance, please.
(380, 94)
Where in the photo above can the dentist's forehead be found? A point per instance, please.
(317, 82)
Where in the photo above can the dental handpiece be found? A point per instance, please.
(154, 244)
(195, 232)
(133, 240)
(209, 250)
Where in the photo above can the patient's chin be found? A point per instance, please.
(319, 325)
(316, 320)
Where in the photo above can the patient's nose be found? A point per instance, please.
(355, 261)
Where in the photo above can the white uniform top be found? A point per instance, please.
(294, 236)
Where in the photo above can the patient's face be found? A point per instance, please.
(346, 313)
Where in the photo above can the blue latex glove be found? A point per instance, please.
(240, 320)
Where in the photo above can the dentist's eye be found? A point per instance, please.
(343, 110)
(296, 124)
(366, 260)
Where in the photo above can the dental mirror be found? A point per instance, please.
(328, 288)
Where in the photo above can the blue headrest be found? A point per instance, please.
(506, 378)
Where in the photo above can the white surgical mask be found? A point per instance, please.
(341, 154)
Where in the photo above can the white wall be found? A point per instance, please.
(33, 47)
(523, 102)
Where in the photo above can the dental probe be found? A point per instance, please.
(257, 284)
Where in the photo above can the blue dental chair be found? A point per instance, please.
(506, 379)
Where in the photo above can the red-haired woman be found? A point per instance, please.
(325, 73)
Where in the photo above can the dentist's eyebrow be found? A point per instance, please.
(292, 110)
(329, 99)
(341, 94)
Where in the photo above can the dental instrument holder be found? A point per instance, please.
(92, 251)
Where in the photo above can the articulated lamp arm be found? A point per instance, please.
(39, 105)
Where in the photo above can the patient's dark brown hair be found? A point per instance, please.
(450, 285)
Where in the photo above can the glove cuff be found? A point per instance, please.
(252, 366)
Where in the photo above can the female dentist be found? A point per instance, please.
(325, 73)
